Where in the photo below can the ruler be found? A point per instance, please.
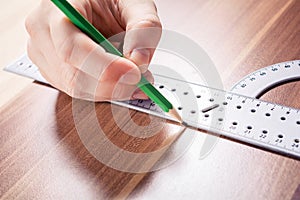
(231, 114)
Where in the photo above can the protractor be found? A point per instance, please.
(263, 80)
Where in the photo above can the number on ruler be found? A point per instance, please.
(262, 73)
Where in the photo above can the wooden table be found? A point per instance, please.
(42, 156)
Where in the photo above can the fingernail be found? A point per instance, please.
(141, 57)
(130, 78)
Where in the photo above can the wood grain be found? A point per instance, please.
(51, 146)
(43, 156)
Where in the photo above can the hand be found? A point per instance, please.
(73, 63)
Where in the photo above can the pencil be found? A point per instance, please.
(85, 26)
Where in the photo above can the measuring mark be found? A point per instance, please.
(209, 108)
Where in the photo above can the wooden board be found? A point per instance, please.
(42, 156)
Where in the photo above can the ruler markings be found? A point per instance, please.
(237, 115)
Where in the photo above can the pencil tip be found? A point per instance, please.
(173, 112)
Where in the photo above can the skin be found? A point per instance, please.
(76, 65)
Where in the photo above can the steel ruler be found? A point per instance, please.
(231, 114)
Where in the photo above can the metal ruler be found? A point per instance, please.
(231, 114)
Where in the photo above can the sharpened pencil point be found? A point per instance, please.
(173, 112)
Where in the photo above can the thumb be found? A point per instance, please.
(143, 31)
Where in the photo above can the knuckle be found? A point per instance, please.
(34, 21)
(148, 21)
(29, 25)
(153, 21)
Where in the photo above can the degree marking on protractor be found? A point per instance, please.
(260, 81)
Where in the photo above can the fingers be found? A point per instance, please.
(73, 63)
(74, 47)
(88, 88)
(77, 49)
(79, 84)
(143, 30)
(135, 12)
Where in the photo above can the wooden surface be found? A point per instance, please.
(42, 156)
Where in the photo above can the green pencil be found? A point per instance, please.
(85, 26)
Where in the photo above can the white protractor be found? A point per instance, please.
(237, 116)
(262, 80)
